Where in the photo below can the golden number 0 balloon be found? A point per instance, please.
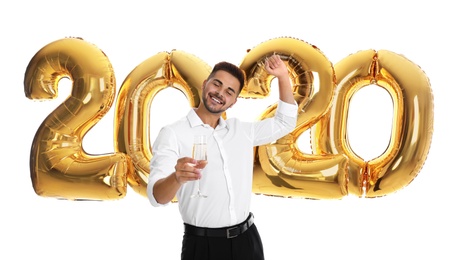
(59, 166)
(412, 123)
(179, 70)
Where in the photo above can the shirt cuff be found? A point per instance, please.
(287, 109)
(150, 196)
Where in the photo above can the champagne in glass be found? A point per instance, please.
(199, 153)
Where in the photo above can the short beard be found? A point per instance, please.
(205, 103)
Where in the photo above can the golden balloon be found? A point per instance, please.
(178, 70)
(281, 169)
(60, 167)
(412, 126)
(58, 164)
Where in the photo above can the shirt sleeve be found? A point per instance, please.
(287, 109)
(165, 156)
(277, 126)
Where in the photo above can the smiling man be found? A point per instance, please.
(221, 225)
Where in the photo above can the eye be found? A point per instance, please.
(216, 83)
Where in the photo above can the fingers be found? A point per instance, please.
(275, 58)
(201, 164)
(188, 169)
(273, 62)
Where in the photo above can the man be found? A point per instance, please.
(221, 225)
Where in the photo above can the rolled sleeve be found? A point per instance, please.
(287, 109)
(151, 197)
(287, 113)
(162, 163)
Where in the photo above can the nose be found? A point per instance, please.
(219, 92)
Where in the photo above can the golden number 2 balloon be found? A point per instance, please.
(412, 123)
(59, 166)
(282, 169)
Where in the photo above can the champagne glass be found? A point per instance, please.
(199, 153)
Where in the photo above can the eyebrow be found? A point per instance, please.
(221, 83)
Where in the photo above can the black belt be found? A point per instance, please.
(228, 232)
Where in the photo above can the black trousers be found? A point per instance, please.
(247, 246)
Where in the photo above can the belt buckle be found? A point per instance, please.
(229, 235)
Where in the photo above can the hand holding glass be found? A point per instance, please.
(199, 153)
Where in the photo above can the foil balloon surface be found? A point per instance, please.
(281, 168)
(412, 125)
(177, 69)
(59, 166)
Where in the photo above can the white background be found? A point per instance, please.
(412, 223)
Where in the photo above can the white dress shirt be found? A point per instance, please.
(227, 178)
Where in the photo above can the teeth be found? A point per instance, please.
(215, 99)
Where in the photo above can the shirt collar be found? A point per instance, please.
(194, 120)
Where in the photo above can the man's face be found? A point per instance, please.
(220, 92)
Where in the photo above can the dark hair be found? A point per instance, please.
(232, 69)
